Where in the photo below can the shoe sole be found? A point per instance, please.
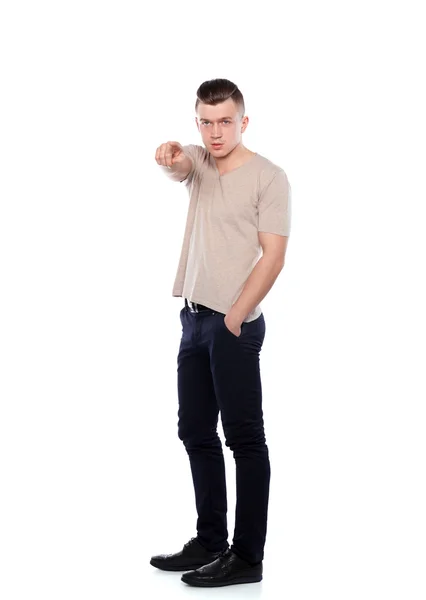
(163, 567)
(200, 583)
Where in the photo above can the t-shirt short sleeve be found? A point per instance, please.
(197, 154)
(274, 207)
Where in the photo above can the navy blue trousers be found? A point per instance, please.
(219, 371)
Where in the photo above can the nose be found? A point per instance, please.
(217, 133)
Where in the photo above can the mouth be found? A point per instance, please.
(217, 145)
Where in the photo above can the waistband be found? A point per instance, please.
(195, 307)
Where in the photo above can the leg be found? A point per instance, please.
(197, 428)
(236, 376)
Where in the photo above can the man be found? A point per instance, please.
(234, 245)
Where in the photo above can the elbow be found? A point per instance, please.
(276, 263)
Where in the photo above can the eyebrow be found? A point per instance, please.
(202, 119)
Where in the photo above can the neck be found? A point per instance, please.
(235, 158)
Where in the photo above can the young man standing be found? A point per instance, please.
(234, 246)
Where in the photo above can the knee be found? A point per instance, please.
(198, 440)
(247, 439)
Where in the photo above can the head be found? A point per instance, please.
(220, 115)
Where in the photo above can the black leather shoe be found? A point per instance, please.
(227, 569)
(192, 556)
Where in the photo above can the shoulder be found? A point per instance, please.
(197, 153)
(269, 171)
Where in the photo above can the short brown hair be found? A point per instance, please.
(215, 91)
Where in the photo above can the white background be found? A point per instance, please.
(94, 479)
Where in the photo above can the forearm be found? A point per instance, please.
(258, 284)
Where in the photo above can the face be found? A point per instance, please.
(221, 124)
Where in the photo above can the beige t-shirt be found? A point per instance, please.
(220, 245)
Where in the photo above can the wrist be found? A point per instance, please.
(236, 315)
